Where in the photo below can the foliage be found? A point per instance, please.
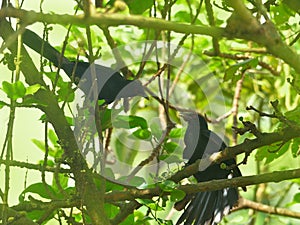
(218, 73)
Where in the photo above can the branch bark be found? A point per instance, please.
(240, 25)
(134, 193)
(247, 204)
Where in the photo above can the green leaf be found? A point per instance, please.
(293, 115)
(176, 133)
(111, 210)
(32, 89)
(70, 120)
(272, 152)
(167, 185)
(136, 181)
(110, 186)
(177, 195)
(9, 60)
(39, 144)
(170, 158)
(52, 137)
(295, 82)
(143, 134)
(129, 122)
(170, 147)
(129, 220)
(37, 214)
(107, 116)
(156, 130)
(55, 152)
(43, 118)
(232, 70)
(43, 190)
(150, 203)
(181, 16)
(145, 201)
(140, 218)
(297, 198)
(125, 153)
(281, 14)
(63, 180)
(295, 147)
(66, 93)
(138, 6)
(2, 104)
(293, 5)
(14, 90)
(55, 78)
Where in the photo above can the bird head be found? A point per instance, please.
(195, 118)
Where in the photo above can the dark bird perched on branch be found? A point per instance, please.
(110, 83)
(206, 208)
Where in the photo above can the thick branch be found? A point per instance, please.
(110, 19)
(206, 186)
(247, 204)
(245, 28)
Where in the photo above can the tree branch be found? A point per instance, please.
(213, 185)
(247, 204)
(246, 28)
(110, 19)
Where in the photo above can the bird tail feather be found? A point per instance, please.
(208, 208)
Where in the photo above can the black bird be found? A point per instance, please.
(206, 208)
(110, 83)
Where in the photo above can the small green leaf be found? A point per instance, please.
(39, 144)
(43, 118)
(170, 147)
(297, 198)
(66, 92)
(110, 210)
(272, 152)
(52, 137)
(150, 203)
(32, 89)
(62, 179)
(170, 158)
(42, 189)
(176, 133)
(138, 6)
(129, 122)
(2, 104)
(143, 134)
(129, 220)
(232, 70)
(155, 207)
(70, 120)
(167, 185)
(55, 78)
(137, 181)
(295, 147)
(9, 60)
(145, 201)
(177, 195)
(281, 13)
(14, 90)
(293, 115)
(156, 129)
